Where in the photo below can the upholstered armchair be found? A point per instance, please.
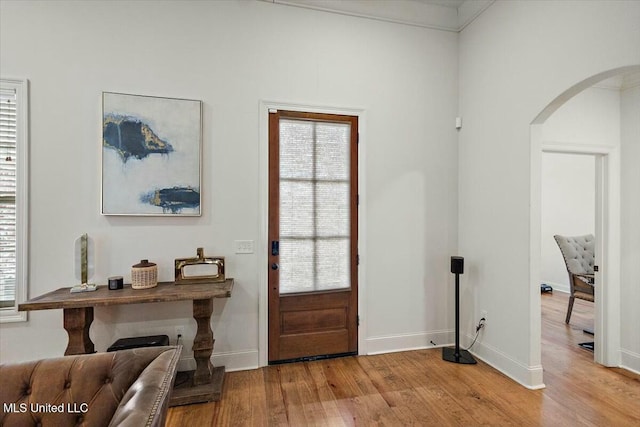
(579, 258)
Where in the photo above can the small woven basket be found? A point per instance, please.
(144, 275)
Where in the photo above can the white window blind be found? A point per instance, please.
(12, 197)
(7, 197)
(314, 206)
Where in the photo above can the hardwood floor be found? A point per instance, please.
(419, 388)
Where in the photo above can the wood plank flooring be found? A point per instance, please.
(419, 388)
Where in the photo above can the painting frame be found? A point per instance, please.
(151, 155)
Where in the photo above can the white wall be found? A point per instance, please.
(591, 118)
(515, 59)
(232, 55)
(630, 236)
(568, 209)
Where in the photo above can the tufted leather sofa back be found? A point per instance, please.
(578, 253)
(128, 387)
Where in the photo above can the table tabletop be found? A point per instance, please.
(103, 296)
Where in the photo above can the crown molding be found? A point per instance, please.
(408, 12)
(470, 10)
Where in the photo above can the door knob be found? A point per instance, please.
(274, 266)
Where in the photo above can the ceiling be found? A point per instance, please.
(447, 15)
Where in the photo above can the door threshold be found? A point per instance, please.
(313, 358)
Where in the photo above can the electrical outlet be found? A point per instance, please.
(482, 322)
(180, 331)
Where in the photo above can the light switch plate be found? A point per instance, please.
(243, 246)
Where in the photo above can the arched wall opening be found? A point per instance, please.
(608, 213)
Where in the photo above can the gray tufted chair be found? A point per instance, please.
(579, 257)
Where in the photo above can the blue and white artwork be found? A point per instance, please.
(150, 155)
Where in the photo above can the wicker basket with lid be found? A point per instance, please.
(144, 275)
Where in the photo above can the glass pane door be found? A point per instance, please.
(314, 206)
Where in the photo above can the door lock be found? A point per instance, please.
(274, 266)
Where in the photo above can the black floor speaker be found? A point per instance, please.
(456, 355)
(462, 356)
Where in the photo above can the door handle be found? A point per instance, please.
(274, 266)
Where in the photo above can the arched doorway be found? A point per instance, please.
(608, 298)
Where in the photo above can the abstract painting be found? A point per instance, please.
(151, 150)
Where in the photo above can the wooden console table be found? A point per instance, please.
(202, 385)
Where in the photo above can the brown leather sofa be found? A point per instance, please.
(122, 388)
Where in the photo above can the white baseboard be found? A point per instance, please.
(232, 361)
(237, 360)
(528, 376)
(560, 287)
(630, 361)
(417, 341)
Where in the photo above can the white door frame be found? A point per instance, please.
(263, 226)
(607, 244)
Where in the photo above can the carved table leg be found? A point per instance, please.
(203, 342)
(77, 322)
(205, 383)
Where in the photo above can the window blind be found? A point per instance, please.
(8, 143)
(314, 206)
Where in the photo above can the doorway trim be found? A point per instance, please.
(263, 226)
(607, 243)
